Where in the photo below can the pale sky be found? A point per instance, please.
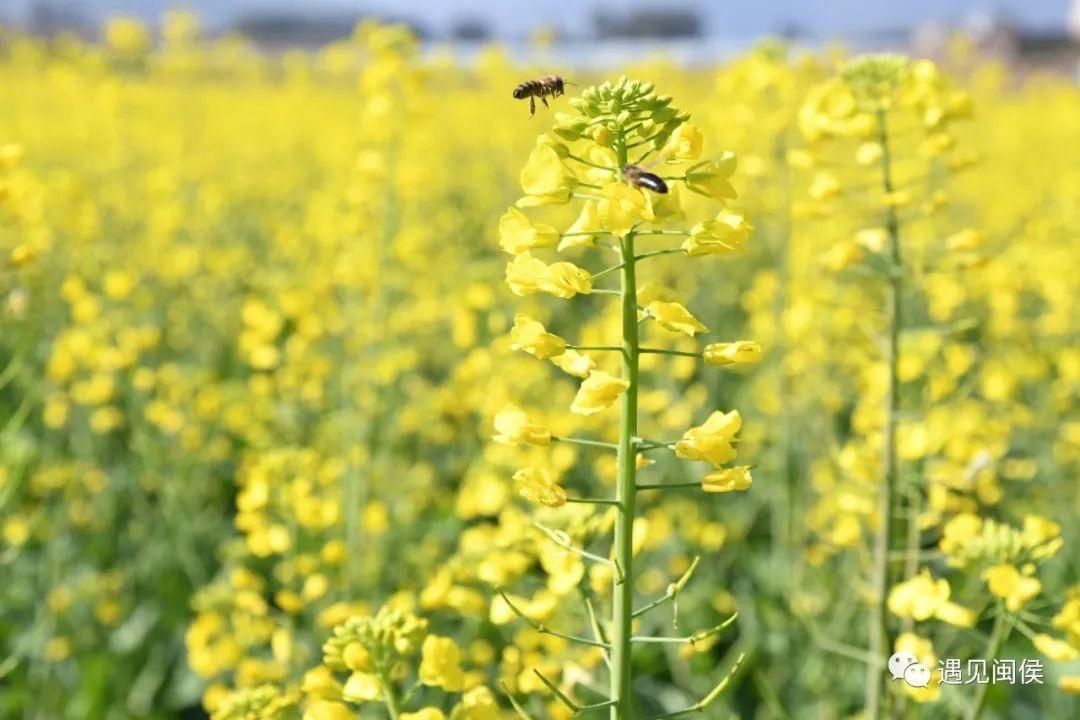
(514, 18)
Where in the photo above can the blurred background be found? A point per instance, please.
(597, 32)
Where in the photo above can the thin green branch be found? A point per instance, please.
(688, 639)
(607, 271)
(667, 486)
(643, 444)
(597, 629)
(514, 703)
(646, 141)
(596, 348)
(1002, 628)
(593, 501)
(662, 351)
(583, 161)
(597, 706)
(673, 589)
(843, 649)
(562, 540)
(583, 441)
(708, 699)
(655, 253)
(541, 628)
(573, 706)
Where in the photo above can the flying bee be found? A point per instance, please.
(552, 85)
(642, 179)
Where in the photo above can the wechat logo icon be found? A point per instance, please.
(906, 667)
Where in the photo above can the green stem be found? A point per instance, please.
(880, 642)
(626, 490)
(1002, 628)
(393, 707)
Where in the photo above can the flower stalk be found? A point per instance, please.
(880, 639)
(626, 213)
(625, 489)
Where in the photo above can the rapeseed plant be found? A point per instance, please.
(593, 154)
(867, 103)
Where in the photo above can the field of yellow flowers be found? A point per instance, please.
(335, 386)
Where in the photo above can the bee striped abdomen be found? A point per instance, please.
(652, 182)
(530, 88)
(636, 177)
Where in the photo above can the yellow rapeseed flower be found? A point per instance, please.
(740, 352)
(517, 233)
(440, 663)
(514, 428)
(531, 336)
(1007, 583)
(537, 486)
(711, 442)
(727, 480)
(675, 317)
(598, 392)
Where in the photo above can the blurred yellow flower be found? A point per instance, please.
(478, 704)
(537, 486)
(1007, 583)
(513, 428)
(326, 710)
(1055, 649)
(361, 686)
(428, 713)
(712, 179)
(956, 615)
(440, 663)
(685, 143)
(725, 233)
(918, 598)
